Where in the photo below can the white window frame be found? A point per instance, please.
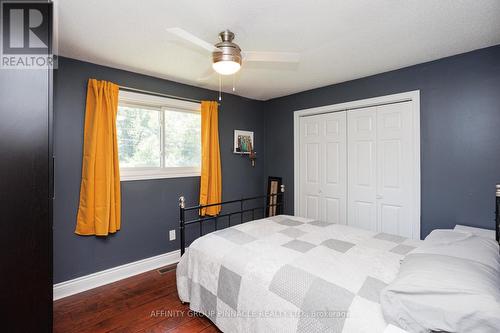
(161, 104)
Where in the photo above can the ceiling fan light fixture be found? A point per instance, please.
(227, 55)
(227, 59)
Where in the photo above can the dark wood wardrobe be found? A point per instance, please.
(26, 200)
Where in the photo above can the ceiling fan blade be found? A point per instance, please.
(271, 56)
(181, 33)
(206, 76)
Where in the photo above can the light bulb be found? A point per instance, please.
(226, 67)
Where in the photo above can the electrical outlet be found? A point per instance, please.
(172, 235)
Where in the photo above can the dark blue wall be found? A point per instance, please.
(149, 208)
(460, 132)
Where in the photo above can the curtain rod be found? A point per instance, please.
(160, 94)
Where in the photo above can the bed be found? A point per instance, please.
(291, 274)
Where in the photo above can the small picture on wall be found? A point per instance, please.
(243, 142)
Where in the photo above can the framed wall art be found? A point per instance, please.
(243, 142)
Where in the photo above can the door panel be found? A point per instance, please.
(391, 163)
(309, 166)
(312, 207)
(364, 123)
(395, 168)
(311, 129)
(365, 163)
(363, 214)
(390, 219)
(312, 163)
(333, 167)
(333, 125)
(333, 211)
(334, 182)
(361, 138)
(323, 165)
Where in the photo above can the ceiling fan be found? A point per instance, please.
(227, 56)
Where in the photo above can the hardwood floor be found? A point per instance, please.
(143, 303)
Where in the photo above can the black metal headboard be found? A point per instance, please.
(278, 203)
(497, 212)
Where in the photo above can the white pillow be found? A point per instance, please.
(487, 233)
(450, 283)
(463, 245)
(442, 293)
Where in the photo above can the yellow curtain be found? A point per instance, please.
(211, 180)
(99, 210)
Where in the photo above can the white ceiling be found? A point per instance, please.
(338, 40)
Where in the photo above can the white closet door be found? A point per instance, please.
(310, 142)
(362, 176)
(381, 154)
(395, 155)
(334, 173)
(323, 165)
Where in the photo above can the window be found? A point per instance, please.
(158, 137)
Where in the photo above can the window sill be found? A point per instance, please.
(129, 175)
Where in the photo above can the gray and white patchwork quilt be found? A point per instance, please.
(291, 274)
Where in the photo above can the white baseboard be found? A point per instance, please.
(83, 283)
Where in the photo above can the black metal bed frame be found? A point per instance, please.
(279, 210)
(183, 209)
(497, 216)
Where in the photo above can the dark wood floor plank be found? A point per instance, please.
(195, 325)
(170, 323)
(145, 303)
(110, 293)
(211, 329)
(94, 314)
(140, 315)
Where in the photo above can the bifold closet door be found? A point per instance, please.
(381, 154)
(362, 174)
(323, 167)
(395, 169)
